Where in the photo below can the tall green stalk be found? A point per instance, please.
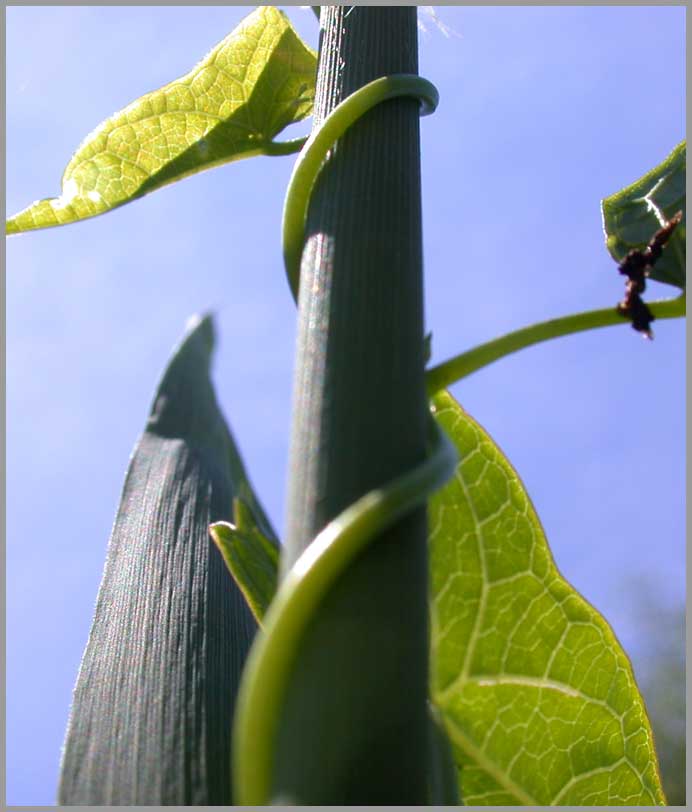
(353, 729)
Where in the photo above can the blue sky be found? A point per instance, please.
(543, 112)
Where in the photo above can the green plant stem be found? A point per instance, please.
(278, 148)
(448, 372)
(296, 602)
(329, 555)
(310, 161)
(353, 727)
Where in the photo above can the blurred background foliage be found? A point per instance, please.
(659, 664)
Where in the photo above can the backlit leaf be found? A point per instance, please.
(538, 699)
(632, 217)
(251, 86)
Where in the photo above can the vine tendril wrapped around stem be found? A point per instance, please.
(330, 553)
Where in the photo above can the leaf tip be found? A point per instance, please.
(218, 529)
(199, 321)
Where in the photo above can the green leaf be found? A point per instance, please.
(538, 698)
(251, 555)
(257, 81)
(632, 217)
(151, 715)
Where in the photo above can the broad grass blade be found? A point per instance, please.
(152, 710)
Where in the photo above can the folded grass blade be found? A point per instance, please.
(151, 715)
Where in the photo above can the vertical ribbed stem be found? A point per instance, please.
(354, 721)
(359, 366)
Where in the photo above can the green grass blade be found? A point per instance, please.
(632, 216)
(537, 696)
(252, 85)
(151, 715)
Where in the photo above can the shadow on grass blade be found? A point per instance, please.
(152, 708)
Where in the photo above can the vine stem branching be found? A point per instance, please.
(460, 366)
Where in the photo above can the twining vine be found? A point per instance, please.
(329, 554)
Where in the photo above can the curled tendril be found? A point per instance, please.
(273, 654)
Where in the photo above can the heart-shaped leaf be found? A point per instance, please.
(151, 716)
(538, 699)
(632, 217)
(257, 81)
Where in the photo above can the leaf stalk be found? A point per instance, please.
(461, 366)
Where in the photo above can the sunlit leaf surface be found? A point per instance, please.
(247, 89)
(537, 696)
(632, 217)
